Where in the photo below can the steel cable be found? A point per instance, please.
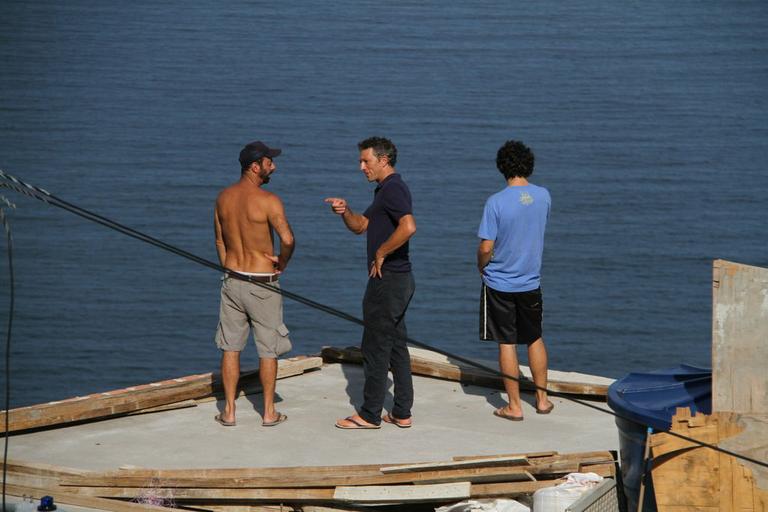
(43, 195)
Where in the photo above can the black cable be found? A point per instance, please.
(47, 197)
(7, 226)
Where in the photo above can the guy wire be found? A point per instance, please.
(45, 196)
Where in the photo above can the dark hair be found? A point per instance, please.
(381, 147)
(515, 159)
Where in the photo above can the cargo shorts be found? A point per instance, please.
(246, 306)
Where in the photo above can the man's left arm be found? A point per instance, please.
(484, 254)
(406, 227)
(279, 223)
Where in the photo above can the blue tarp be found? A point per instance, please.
(651, 398)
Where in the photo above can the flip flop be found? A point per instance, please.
(223, 422)
(357, 424)
(388, 418)
(509, 417)
(280, 418)
(546, 410)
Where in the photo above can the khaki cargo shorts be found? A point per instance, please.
(247, 306)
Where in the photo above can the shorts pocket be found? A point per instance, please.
(283, 342)
(262, 293)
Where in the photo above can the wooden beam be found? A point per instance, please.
(689, 475)
(38, 468)
(248, 508)
(207, 494)
(468, 374)
(739, 348)
(124, 401)
(403, 493)
(65, 498)
(167, 407)
(306, 478)
(509, 489)
(321, 476)
(544, 457)
(475, 463)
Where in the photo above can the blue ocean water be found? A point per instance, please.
(649, 122)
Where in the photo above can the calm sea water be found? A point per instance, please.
(649, 122)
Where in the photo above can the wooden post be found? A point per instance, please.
(739, 334)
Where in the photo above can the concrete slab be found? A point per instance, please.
(450, 419)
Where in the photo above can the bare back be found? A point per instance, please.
(244, 221)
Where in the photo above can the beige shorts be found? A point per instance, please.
(247, 306)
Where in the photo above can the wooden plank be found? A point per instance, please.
(468, 374)
(167, 407)
(686, 476)
(722, 473)
(509, 489)
(250, 508)
(403, 493)
(324, 475)
(306, 479)
(475, 463)
(529, 456)
(560, 464)
(326, 508)
(604, 470)
(126, 475)
(123, 401)
(252, 386)
(739, 326)
(64, 498)
(206, 494)
(37, 468)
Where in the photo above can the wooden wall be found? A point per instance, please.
(739, 338)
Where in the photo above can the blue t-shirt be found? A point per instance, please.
(391, 200)
(515, 219)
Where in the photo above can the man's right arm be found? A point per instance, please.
(221, 248)
(355, 222)
(484, 254)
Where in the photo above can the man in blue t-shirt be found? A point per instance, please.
(509, 260)
(389, 224)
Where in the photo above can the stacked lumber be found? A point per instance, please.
(689, 476)
(157, 396)
(326, 487)
(34, 480)
(424, 364)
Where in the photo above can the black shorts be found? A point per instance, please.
(510, 317)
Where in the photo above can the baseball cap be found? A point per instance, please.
(256, 150)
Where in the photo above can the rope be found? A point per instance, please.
(47, 197)
(7, 225)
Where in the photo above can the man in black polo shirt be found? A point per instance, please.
(389, 224)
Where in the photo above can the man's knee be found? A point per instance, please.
(230, 355)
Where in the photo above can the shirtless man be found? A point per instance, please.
(245, 220)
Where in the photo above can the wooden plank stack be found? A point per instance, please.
(301, 488)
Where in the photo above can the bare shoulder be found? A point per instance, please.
(272, 199)
(226, 193)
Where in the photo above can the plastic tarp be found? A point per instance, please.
(651, 398)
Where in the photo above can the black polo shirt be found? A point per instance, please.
(391, 200)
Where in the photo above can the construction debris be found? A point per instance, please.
(438, 483)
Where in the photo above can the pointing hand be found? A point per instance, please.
(338, 205)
